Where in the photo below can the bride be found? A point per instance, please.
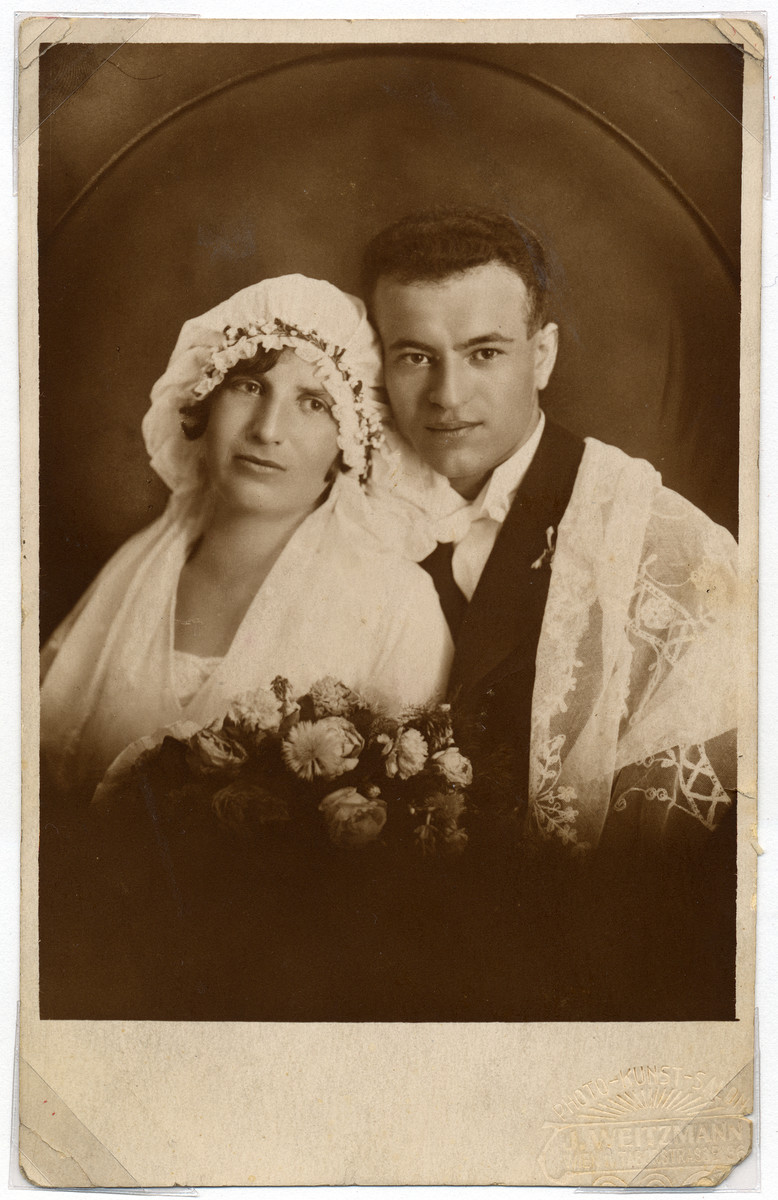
(269, 558)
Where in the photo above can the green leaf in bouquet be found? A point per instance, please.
(162, 770)
(244, 804)
(214, 750)
(434, 725)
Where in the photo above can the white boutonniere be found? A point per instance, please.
(548, 554)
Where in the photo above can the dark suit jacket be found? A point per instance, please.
(497, 633)
(588, 944)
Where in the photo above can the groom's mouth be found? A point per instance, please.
(452, 430)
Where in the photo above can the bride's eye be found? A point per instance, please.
(249, 387)
(315, 404)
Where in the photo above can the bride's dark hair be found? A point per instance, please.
(194, 417)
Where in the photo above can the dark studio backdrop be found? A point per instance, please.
(173, 175)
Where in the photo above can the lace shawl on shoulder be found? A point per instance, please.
(634, 666)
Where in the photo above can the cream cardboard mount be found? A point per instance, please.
(104, 127)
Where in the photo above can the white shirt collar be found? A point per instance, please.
(498, 493)
(453, 516)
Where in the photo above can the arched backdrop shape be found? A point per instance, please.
(293, 168)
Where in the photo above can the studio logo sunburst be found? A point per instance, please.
(647, 1126)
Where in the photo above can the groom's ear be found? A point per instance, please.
(546, 346)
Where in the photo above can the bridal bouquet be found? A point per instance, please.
(328, 763)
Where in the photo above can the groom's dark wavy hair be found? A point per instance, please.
(428, 247)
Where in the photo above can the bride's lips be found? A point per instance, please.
(260, 465)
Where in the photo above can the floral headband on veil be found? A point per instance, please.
(324, 326)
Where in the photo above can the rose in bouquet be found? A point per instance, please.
(327, 762)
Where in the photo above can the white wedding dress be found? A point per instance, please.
(337, 602)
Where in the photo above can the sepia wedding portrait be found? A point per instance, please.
(389, 497)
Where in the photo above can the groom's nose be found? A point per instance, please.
(446, 389)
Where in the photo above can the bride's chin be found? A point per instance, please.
(249, 498)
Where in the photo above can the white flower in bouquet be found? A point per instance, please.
(325, 748)
(350, 742)
(259, 712)
(212, 750)
(352, 819)
(453, 766)
(330, 697)
(406, 754)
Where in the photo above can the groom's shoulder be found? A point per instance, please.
(611, 471)
(624, 499)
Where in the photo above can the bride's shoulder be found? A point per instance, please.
(361, 574)
(381, 525)
(379, 563)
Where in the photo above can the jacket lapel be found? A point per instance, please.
(501, 626)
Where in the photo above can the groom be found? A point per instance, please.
(460, 299)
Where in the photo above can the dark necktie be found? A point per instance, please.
(452, 600)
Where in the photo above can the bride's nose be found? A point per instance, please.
(267, 420)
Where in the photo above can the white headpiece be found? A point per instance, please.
(324, 326)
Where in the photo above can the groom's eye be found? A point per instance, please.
(486, 353)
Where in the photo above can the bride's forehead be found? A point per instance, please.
(291, 365)
(284, 364)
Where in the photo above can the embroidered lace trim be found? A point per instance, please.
(681, 778)
(635, 655)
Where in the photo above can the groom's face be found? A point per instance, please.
(462, 371)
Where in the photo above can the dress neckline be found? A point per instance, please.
(190, 673)
(294, 550)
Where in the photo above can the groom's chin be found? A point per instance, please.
(454, 464)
